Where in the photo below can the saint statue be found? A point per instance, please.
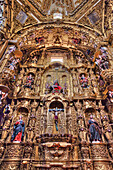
(18, 133)
(94, 130)
(56, 112)
(83, 81)
(29, 82)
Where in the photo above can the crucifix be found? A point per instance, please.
(56, 112)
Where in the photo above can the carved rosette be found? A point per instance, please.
(14, 150)
(99, 151)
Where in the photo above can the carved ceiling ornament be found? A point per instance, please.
(78, 12)
(70, 36)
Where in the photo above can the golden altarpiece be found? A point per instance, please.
(56, 85)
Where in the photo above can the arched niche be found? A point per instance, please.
(29, 82)
(79, 57)
(48, 78)
(23, 111)
(31, 74)
(57, 104)
(90, 111)
(56, 118)
(83, 78)
(56, 72)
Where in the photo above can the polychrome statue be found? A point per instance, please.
(56, 88)
(29, 82)
(18, 133)
(56, 112)
(94, 130)
(83, 81)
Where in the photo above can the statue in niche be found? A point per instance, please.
(83, 81)
(102, 60)
(18, 133)
(29, 82)
(94, 130)
(56, 88)
(101, 82)
(56, 112)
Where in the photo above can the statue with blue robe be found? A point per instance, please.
(18, 133)
(94, 130)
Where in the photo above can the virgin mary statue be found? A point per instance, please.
(18, 133)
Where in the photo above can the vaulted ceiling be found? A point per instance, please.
(92, 14)
(46, 6)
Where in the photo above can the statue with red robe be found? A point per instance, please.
(18, 133)
(56, 88)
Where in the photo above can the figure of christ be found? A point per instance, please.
(56, 112)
